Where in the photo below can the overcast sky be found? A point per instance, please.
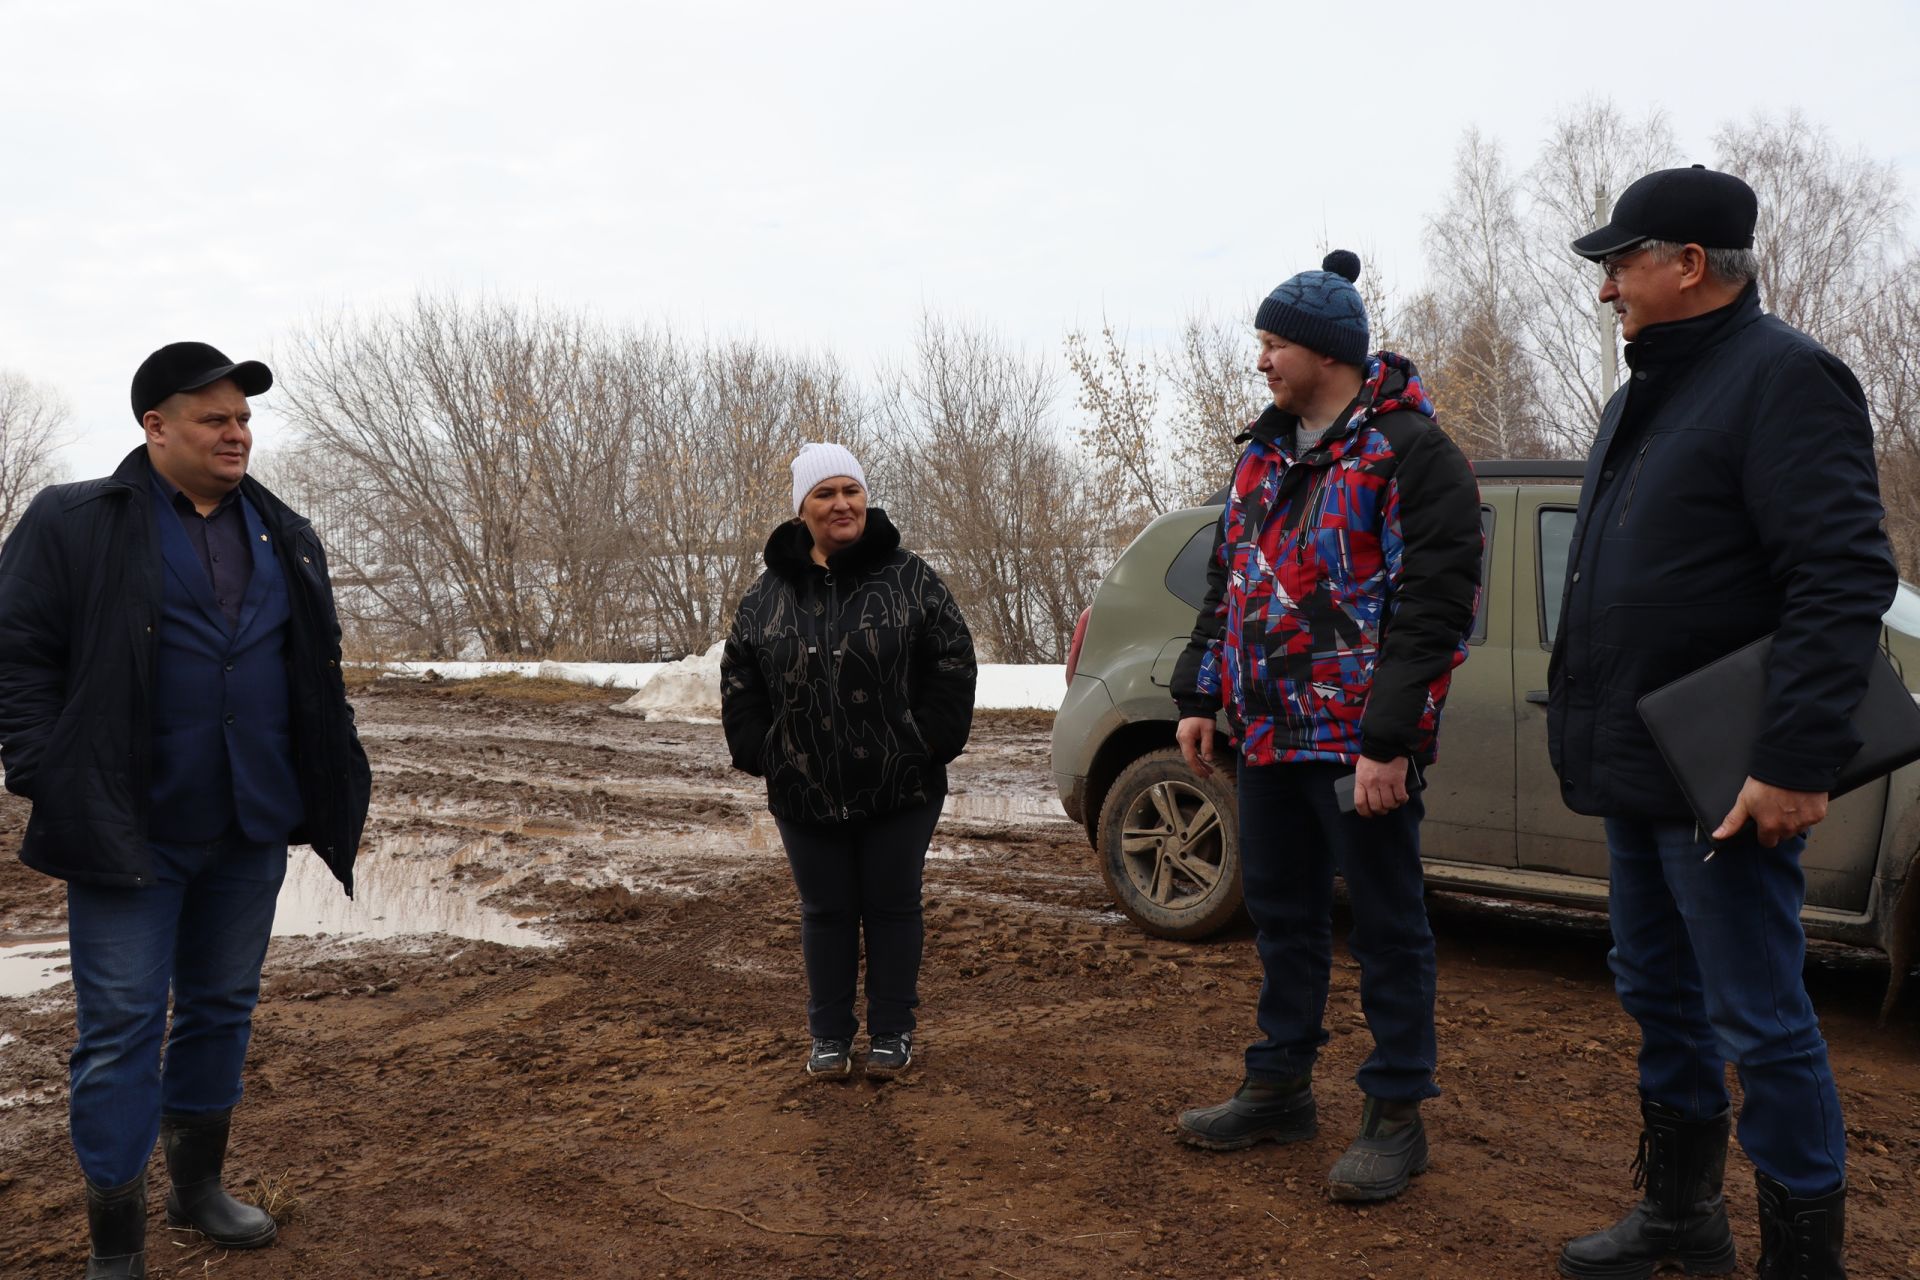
(812, 174)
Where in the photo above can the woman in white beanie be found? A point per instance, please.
(847, 682)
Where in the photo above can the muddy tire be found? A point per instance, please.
(1169, 846)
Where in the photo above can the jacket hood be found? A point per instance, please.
(1392, 384)
(789, 551)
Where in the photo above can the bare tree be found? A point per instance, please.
(483, 446)
(33, 424)
(1216, 393)
(714, 431)
(1593, 154)
(1021, 526)
(1829, 222)
(1120, 393)
(1479, 369)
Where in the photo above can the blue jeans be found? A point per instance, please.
(1707, 958)
(200, 928)
(854, 876)
(1292, 839)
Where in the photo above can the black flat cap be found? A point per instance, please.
(188, 366)
(1682, 206)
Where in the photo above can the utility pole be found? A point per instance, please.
(1609, 341)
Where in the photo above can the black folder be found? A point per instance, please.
(1705, 724)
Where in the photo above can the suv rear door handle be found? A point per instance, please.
(1537, 696)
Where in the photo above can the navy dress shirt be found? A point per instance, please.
(219, 539)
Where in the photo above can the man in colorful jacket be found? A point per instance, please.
(1341, 591)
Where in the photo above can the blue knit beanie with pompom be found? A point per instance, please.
(1321, 310)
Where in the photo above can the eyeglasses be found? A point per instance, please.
(1613, 266)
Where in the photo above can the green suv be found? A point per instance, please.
(1168, 842)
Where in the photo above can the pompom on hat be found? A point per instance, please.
(817, 462)
(1321, 310)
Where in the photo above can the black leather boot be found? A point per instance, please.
(1801, 1239)
(117, 1221)
(1391, 1148)
(1682, 1220)
(1257, 1112)
(196, 1149)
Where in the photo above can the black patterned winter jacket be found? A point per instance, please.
(847, 686)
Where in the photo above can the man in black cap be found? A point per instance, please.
(171, 703)
(1731, 492)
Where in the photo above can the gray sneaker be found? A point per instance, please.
(830, 1059)
(888, 1056)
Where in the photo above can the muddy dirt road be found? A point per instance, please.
(627, 1101)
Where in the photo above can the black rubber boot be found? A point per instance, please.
(1391, 1148)
(1257, 1112)
(117, 1221)
(1801, 1239)
(196, 1149)
(1681, 1221)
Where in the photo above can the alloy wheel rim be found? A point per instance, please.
(1172, 845)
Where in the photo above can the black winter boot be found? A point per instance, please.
(117, 1221)
(1681, 1221)
(1391, 1148)
(1801, 1239)
(1257, 1112)
(196, 1148)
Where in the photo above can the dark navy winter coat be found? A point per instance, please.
(81, 595)
(1731, 492)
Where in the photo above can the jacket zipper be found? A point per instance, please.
(833, 690)
(1633, 479)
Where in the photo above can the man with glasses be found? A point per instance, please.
(1731, 492)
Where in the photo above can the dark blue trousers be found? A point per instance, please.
(854, 876)
(1707, 958)
(201, 930)
(1293, 838)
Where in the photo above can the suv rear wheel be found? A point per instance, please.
(1169, 846)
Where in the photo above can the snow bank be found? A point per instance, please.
(692, 685)
(687, 690)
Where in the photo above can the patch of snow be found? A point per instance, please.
(691, 691)
(687, 690)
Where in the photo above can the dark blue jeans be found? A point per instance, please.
(1707, 957)
(1293, 838)
(200, 928)
(855, 874)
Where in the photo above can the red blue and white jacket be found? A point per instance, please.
(1343, 583)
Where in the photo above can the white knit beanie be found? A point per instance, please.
(817, 462)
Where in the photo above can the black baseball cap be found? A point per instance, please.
(188, 366)
(1682, 206)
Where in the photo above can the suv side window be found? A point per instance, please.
(1556, 540)
(1187, 575)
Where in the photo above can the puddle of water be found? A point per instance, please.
(32, 966)
(400, 887)
(992, 806)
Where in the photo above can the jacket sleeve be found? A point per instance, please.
(1813, 498)
(944, 672)
(33, 641)
(1196, 679)
(746, 710)
(1432, 545)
